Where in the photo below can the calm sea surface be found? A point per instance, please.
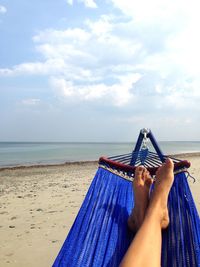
(14, 153)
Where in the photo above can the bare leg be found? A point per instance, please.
(141, 185)
(145, 249)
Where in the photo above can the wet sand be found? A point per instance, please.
(38, 206)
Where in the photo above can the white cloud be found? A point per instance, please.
(87, 3)
(79, 54)
(103, 26)
(3, 9)
(158, 11)
(118, 94)
(98, 60)
(70, 2)
(52, 36)
(34, 68)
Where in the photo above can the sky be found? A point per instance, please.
(99, 70)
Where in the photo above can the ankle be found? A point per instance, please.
(159, 214)
(155, 212)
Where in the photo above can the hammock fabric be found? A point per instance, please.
(99, 236)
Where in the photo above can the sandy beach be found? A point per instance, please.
(38, 206)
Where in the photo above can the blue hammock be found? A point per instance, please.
(99, 236)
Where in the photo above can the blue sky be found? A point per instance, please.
(86, 70)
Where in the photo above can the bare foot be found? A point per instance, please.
(141, 184)
(163, 183)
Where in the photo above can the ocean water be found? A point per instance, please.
(18, 153)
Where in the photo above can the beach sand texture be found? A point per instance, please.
(38, 206)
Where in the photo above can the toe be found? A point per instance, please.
(145, 174)
(149, 182)
(148, 179)
(169, 163)
(138, 172)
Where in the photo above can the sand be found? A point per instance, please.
(38, 206)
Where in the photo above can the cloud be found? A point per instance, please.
(118, 94)
(155, 10)
(3, 9)
(70, 2)
(34, 68)
(61, 36)
(101, 27)
(87, 3)
(99, 59)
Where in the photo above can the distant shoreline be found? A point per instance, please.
(186, 154)
(17, 167)
(84, 162)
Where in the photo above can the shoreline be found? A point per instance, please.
(18, 167)
(82, 162)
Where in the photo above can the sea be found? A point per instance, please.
(44, 153)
